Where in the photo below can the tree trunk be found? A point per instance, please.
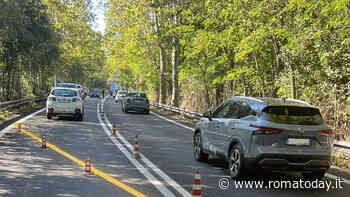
(276, 66)
(219, 94)
(162, 58)
(292, 87)
(162, 83)
(175, 81)
(207, 96)
(174, 62)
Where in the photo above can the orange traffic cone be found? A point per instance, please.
(101, 108)
(19, 127)
(136, 147)
(43, 142)
(102, 116)
(197, 188)
(88, 165)
(114, 130)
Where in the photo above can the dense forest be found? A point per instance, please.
(44, 39)
(195, 54)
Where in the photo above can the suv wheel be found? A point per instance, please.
(81, 117)
(199, 155)
(235, 162)
(49, 116)
(314, 175)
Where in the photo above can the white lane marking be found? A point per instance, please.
(332, 176)
(8, 128)
(172, 121)
(158, 184)
(151, 165)
(328, 175)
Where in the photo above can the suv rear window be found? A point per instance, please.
(292, 115)
(66, 85)
(65, 93)
(136, 94)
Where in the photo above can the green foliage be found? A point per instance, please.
(46, 38)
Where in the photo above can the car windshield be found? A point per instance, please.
(64, 93)
(66, 85)
(292, 115)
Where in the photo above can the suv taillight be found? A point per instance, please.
(75, 100)
(53, 99)
(326, 132)
(259, 130)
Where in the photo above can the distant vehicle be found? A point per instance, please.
(135, 101)
(119, 96)
(65, 102)
(95, 93)
(85, 92)
(267, 134)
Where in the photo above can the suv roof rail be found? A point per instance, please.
(298, 101)
(249, 97)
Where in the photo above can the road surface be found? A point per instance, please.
(166, 167)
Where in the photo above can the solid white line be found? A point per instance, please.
(158, 184)
(8, 128)
(172, 121)
(151, 165)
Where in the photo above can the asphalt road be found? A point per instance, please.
(166, 167)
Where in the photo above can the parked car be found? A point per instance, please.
(135, 101)
(266, 134)
(95, 93)
(120, 95)
(65, 102)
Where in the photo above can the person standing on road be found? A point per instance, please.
(103, 93)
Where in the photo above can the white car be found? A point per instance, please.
(65, 102)
(119, 96)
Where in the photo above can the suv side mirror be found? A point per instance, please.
(208, 114)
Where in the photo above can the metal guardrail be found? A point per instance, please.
(19, 102)
(192, 115)
(341, 145)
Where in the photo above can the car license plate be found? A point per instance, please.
(64, 101)
(298, 142)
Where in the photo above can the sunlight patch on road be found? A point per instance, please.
(81, 163)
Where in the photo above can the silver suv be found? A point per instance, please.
(265, 133)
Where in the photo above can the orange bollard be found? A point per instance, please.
(197, 188)
(114, 130)
(19, 127)
(136, 147)
(43, 142)
(88, 166)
